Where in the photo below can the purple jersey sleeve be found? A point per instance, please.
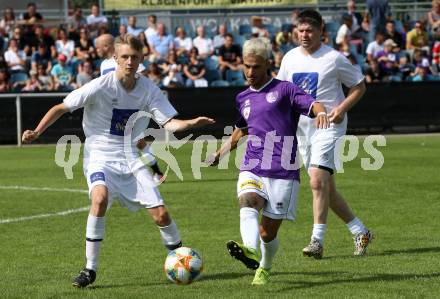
(240, 123)
(301, 101)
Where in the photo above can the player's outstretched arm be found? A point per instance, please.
(51, 116)
(228, 146)
(321, 120)
(354, 95)
(179, 125)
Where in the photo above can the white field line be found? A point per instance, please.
(62, 213)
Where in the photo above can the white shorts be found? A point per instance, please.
(281, 195)
(317, 146)
(134, 190)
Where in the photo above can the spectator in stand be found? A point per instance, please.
(258, 29)
(31, 17)
(15, 58)
(343, 36)
(85, 73)
(161, 43)
(391, 33)
(8, 22)
(172, 71)
(203, 44)
(84, 49)
(278, 57)
(285, 40)
(388, 60)
(146, 48)
(95, 20)
(219, 39)
(405, 68)
(169, 63)
(376, 46)
(229, 57)
(75, 23)
(195, 70)
(22, 40)
(182, 43)
(420, 58)
(122, 30)
(356, 18)
(33, 84)
(40, 37)
(64, 45)
(374, 73)
(434, 16)
(41, 57)
(132, 28)
(154, 74)
(379, 12)
(46, 80)
(5, 86)
(151, 29)
(422, 74)
(436, 53)
(63, 75)
(417, 39)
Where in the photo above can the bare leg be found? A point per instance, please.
(338, 205)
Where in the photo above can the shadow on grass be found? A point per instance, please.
(390, 252)
(225, 276)
(124, 285)
(199, 181)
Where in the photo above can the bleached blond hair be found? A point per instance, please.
(257, 46)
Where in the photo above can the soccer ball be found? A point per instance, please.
(183, 265)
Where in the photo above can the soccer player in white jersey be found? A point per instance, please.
(108, 103)
(320, 71)
(106, 50)
(269, 111)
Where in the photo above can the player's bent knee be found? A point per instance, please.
(267, 235)
(251, 200)
(160, 216)
(318, 183)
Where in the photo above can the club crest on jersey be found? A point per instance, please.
(272, 96)
(246, 112)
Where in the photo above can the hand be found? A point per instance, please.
(141, 144)
(336, 115)
(29, 136)
(212, 160)
(322, 121)
(202, 121)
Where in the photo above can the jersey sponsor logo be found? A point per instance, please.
(272, 96)
(108, 70)
(251, 184)
(308, 82)
(246, 112)
(119, 120)
(97, 176)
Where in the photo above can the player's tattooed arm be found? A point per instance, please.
(51, 116)
(228, 146)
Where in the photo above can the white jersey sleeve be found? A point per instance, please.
(282, 73)
(160, 107)
(81, 97)
(348, 74)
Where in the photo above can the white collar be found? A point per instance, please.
(261, 88)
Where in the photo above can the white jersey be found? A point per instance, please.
(320, 74)
(109, 65)
(108, 106)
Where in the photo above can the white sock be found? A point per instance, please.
(249, 229)
(268, 251)
(94, 236)
(356, 226)
(318, 232)
(170, 236)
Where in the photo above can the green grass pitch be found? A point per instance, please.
(400, 203)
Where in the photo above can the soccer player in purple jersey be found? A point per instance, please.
(269, 111)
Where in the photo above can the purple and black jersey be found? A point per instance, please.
(271, 116)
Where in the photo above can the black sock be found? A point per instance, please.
(155, 168)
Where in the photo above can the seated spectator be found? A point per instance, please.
(182, 43)
(203, 44)
(8, 22)
(388, 59)
(64, 45)
(229, 57)
(41, 38)
(356, 18)
(276, 64)
(434, 16)
(195, 70)
(95, 21)
(31, 17)
(161, 43)
(15, 58)
(5, 86)
(405, 67)
(75, 23)
(170, 63)
(22, 41)
(219, 39)
(46, 80)
(417, 39)
(145, 48)
(122, 30)
(391, 33)
(154, 73)
(84, 47)
(63, 75)
(343, 36)
(42, 57)
(85, 73)
(286, 41)
(374, 73)
(151, 28)
(375, 46)
(422, 74)
(33, 84)
(258, 29)
(436, 53)
(132, 28)
(173, 77)
(420, 58)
